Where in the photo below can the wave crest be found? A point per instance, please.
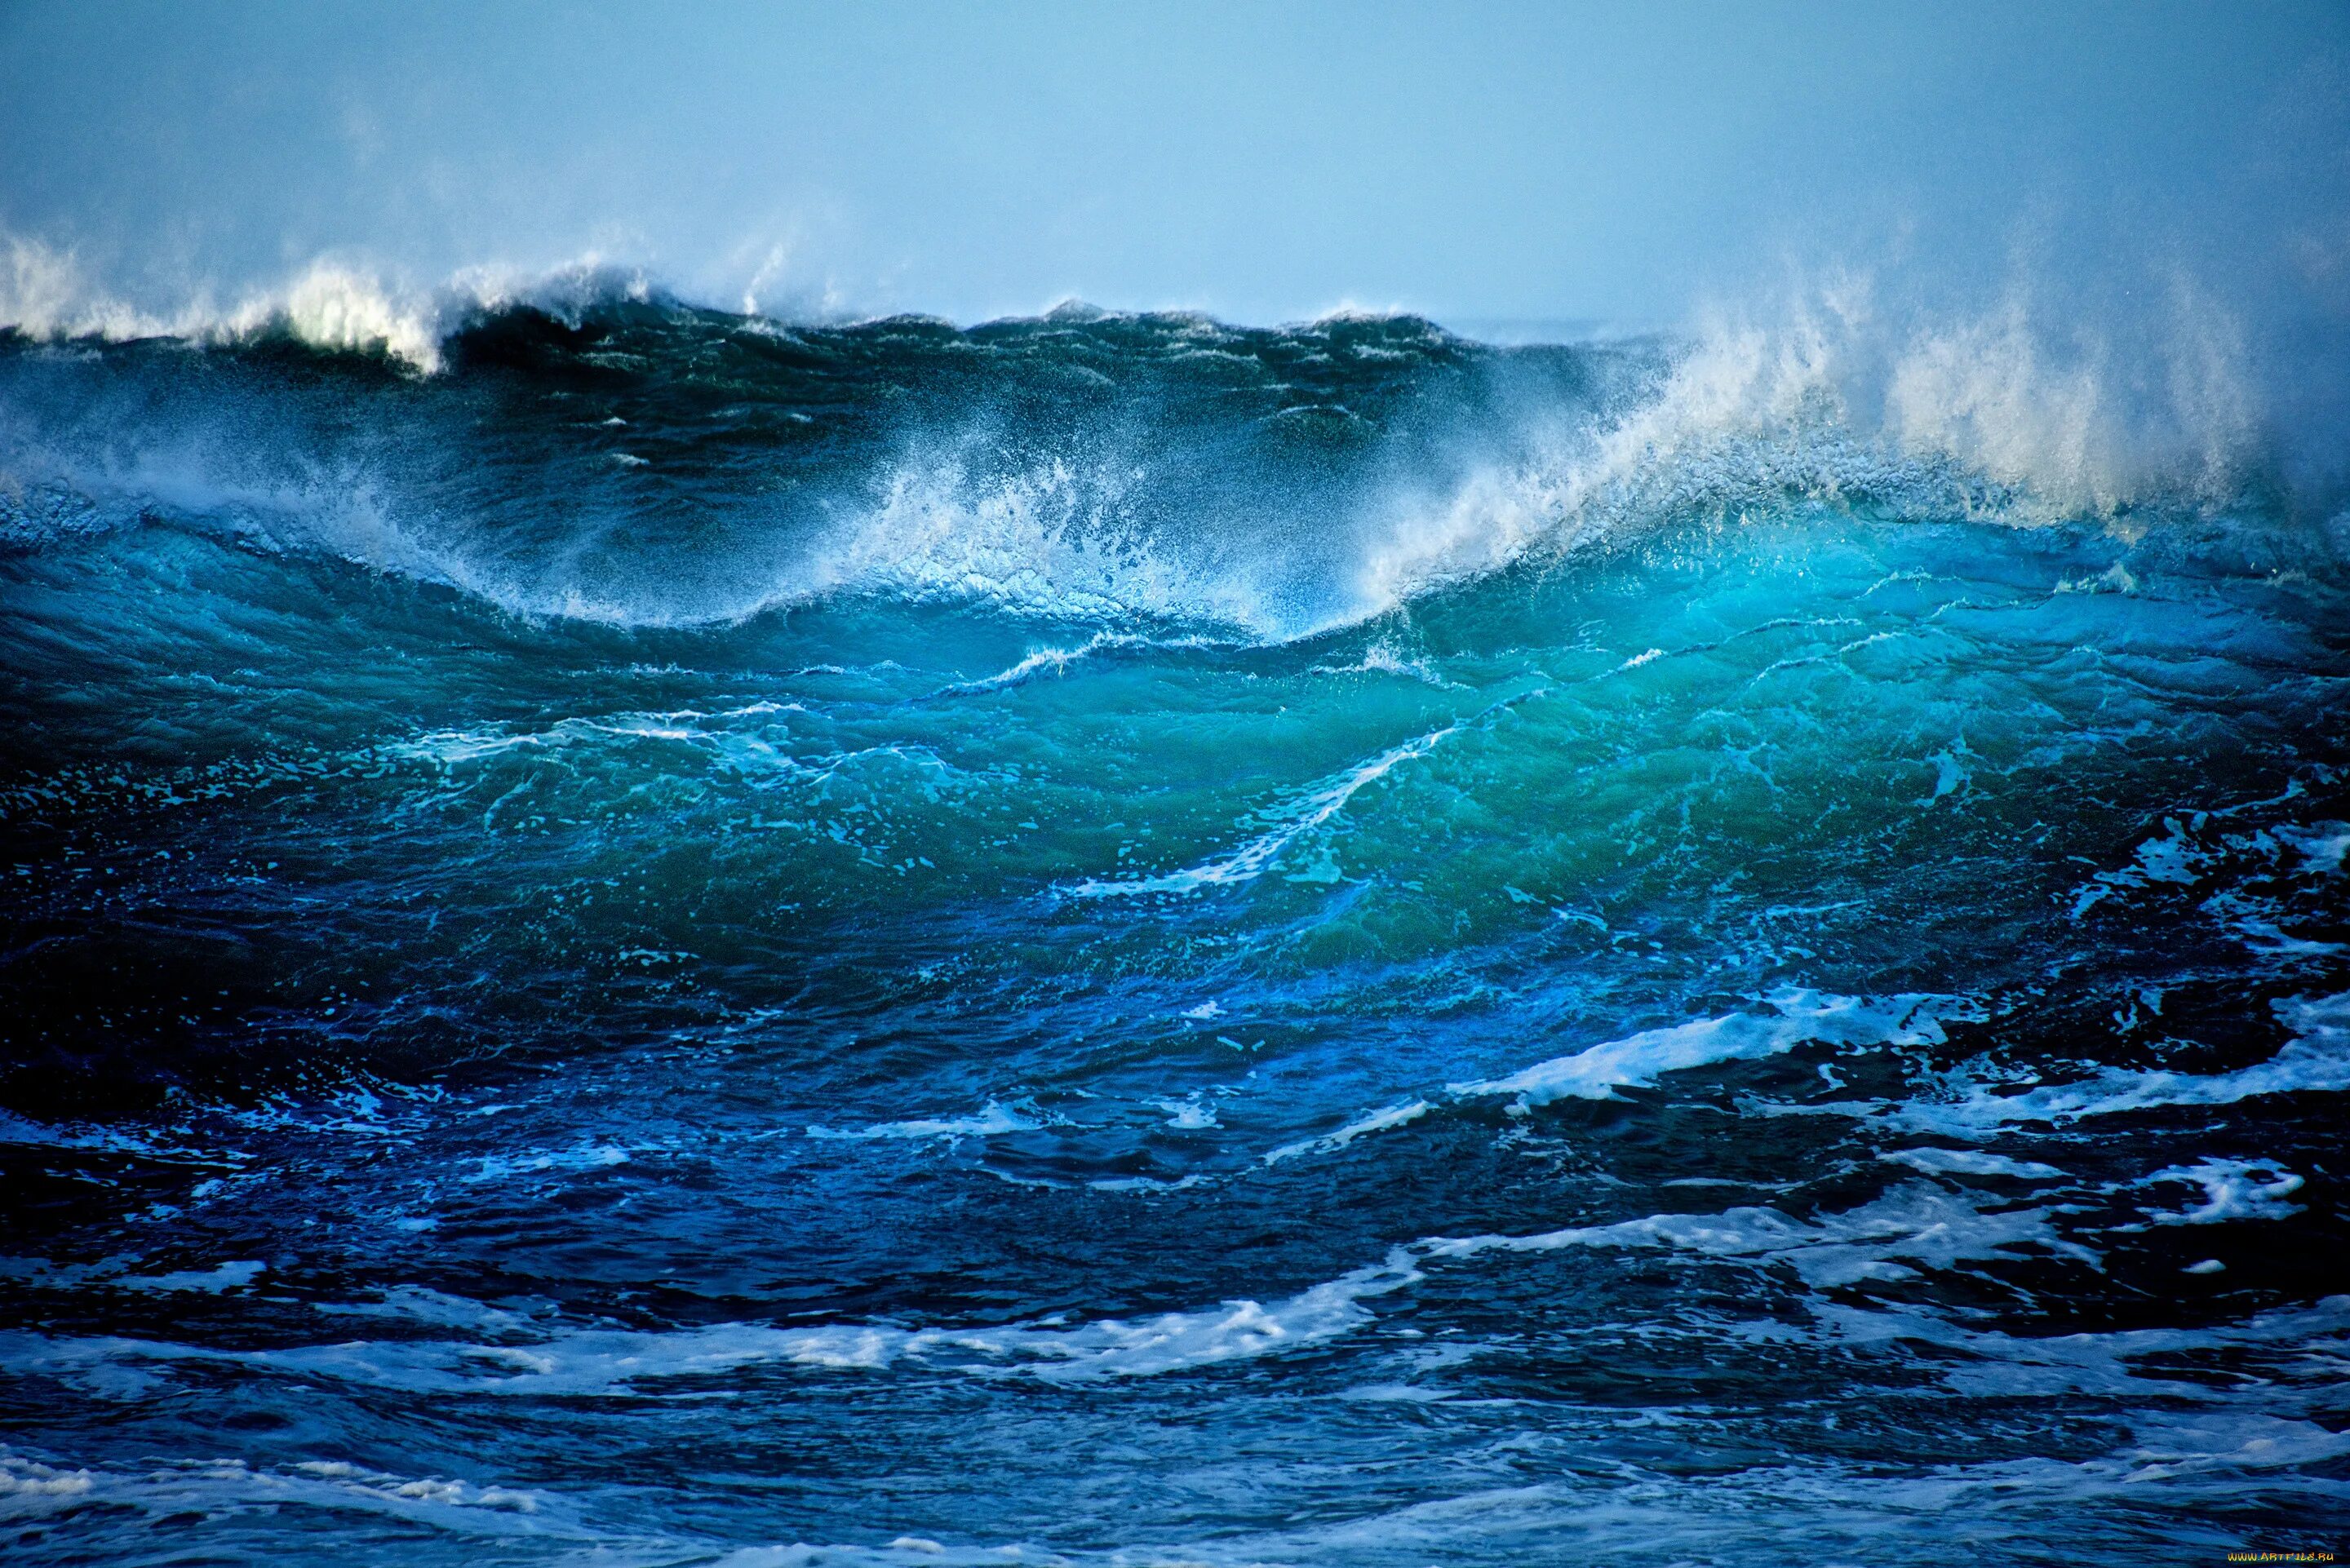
(1991, 415)
(1092, 465)
(47, 294)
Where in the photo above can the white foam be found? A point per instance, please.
(416, 1303)
(16, 1129)
(603, 1361)
(1375, 1122)
(1799, 1017)
(1915, 1227)
(225, 1486)
(1826, 398)
(1189, 1114)
(750, 742)
(2232, 1190)
(1919, 1224)
(29, 1486)
(2171, 856)
(233, 1276)
(2321, 845)
(1383, 660)
(2166, 1467)
(332, 307)
(2248, 918)
(1253, 858)
(1057, 661)
(45, 293)
(1827, 394)
(1052, 539)
(429, 1488)
(899, 1554)
(1971, 1162)
(1147, 1183)
(330, 302)
(990, 1120)
(2316, 1060)
(586, 1157)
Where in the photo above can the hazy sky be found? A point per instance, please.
(1264, 161)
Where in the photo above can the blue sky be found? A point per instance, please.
(1476, 162)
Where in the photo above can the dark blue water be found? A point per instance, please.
(1121, 940)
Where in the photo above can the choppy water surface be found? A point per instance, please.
(1119, 939)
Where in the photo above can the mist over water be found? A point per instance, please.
(655, 921)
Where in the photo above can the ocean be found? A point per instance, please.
(636, 935)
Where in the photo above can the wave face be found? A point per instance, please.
(642, 936)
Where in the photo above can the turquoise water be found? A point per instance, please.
(1120, 939)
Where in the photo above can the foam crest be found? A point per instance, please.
(1053, 538)
(2000, 414)
(2076, 411)
(737, 738)
(47, 293)
(331, 306)
(44, 294)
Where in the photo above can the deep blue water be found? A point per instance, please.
(1118, 939)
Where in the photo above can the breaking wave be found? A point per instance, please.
(1083, 464)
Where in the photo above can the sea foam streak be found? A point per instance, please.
(1802, 1016)
(1253, 858)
